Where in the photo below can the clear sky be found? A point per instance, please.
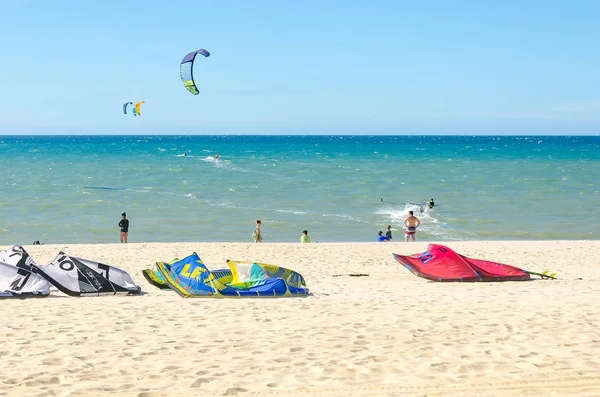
(301, 67)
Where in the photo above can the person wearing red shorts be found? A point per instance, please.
(411, 223)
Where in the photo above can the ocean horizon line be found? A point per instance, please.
(45, 135)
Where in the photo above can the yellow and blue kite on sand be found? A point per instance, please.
(189, 277)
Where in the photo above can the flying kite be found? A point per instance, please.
(186, 70)
(125, 106)
(137, 107)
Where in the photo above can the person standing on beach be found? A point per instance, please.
(411, 223)
(388, 234)
(124, 225)
(304, 238)
(257, 236)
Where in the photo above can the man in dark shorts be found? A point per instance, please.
(411, 223)
(124, 225)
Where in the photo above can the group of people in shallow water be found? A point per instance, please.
(411, 223)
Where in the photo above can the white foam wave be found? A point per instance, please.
(343, 216)
(430, 222)
(292, 212)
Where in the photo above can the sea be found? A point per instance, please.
(73, 189)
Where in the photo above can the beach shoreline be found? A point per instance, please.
(386, 334)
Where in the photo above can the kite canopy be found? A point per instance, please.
(186, 70)
(137, 108)
(440, 263)
(82, 277)
(189, 277)
(20, 276)
(156, 278)
(17, 256)
(116, 276)
(247, 274)
(125, 106)
(18, 282)
(16, 277)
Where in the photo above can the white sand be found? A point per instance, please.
(389, 334)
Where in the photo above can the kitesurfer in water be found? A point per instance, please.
(411, 223)
(430, 203)
(124, 225)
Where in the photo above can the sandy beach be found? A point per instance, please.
(388, 334)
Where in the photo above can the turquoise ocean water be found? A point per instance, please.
(72, 189)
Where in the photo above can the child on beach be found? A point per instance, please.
(256, 235)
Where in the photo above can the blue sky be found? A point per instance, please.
(301, 67)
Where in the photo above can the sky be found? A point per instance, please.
(301, 67)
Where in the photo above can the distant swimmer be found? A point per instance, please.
(381, 199)
(430, 203)
(216, 156)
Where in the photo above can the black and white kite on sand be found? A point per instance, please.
(72, 276)
(83, 277)
(16, 277)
